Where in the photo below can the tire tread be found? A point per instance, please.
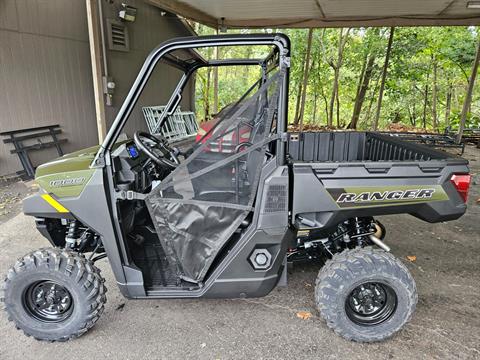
(69, 263)
(347, 265)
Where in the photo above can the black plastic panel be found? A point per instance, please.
(356, 146)
(326, 146)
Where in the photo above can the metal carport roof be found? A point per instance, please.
(325, 13)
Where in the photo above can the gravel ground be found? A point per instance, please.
(446, 324)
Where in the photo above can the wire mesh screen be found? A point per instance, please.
(198, 207)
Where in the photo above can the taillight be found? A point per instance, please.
(461, 183)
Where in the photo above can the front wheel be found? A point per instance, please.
(53, 294)
(365, 294)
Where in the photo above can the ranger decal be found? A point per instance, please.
(385, 195)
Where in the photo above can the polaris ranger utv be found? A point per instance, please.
(223, 216)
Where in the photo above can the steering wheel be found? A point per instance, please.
(167, 156)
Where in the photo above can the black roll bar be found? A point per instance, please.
(280, 41)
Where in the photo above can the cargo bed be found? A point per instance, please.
(358, 146)
(336, 173)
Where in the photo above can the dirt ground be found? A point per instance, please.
(12, 192)
(446, 324)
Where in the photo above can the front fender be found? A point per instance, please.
(43, 205)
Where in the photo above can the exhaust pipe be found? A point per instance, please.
(379, 243)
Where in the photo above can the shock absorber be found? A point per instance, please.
(359, 230)
(73, 233)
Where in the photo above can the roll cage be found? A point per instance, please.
(278, 57)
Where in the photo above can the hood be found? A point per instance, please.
(67, 175)
(78, 160)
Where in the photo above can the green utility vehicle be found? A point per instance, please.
(221, 217)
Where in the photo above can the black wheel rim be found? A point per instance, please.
(48, 301)
(371, 303)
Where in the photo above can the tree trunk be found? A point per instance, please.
(296, 119)
(207, 93)
(215, 90)
(414, 110)
(215, 80)
(337, 99)
(359, 86)
(297, 105)
(410, 116)
(372, 97)
(434, 96)
(305, 77)
(384, 76)
(314, 115)
(362, 75)
(332, 98)
(456, 101)
(362, 92)
(448, 105)
(468, 97)
(325, 102)
(342, 40)
(425, 103)
(248, 55)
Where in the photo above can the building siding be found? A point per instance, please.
(45, 74)
(45, 69)
(147, 32)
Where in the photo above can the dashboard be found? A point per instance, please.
(132, 151)
(130, 168)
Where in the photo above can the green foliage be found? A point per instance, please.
(409, 84)
(472, 121)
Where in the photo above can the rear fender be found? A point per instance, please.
(326, 194)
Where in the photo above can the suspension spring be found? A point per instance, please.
(73, 234)
(360, 230)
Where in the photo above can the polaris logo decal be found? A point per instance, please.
(386, 195)
(67, 182)
(367, 196)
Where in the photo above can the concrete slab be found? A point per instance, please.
(446, 324)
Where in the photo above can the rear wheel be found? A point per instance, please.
(54, 294)
(365, 294)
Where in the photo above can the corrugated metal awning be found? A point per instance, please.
(325, 13)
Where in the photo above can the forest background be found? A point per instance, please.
(410, 78)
